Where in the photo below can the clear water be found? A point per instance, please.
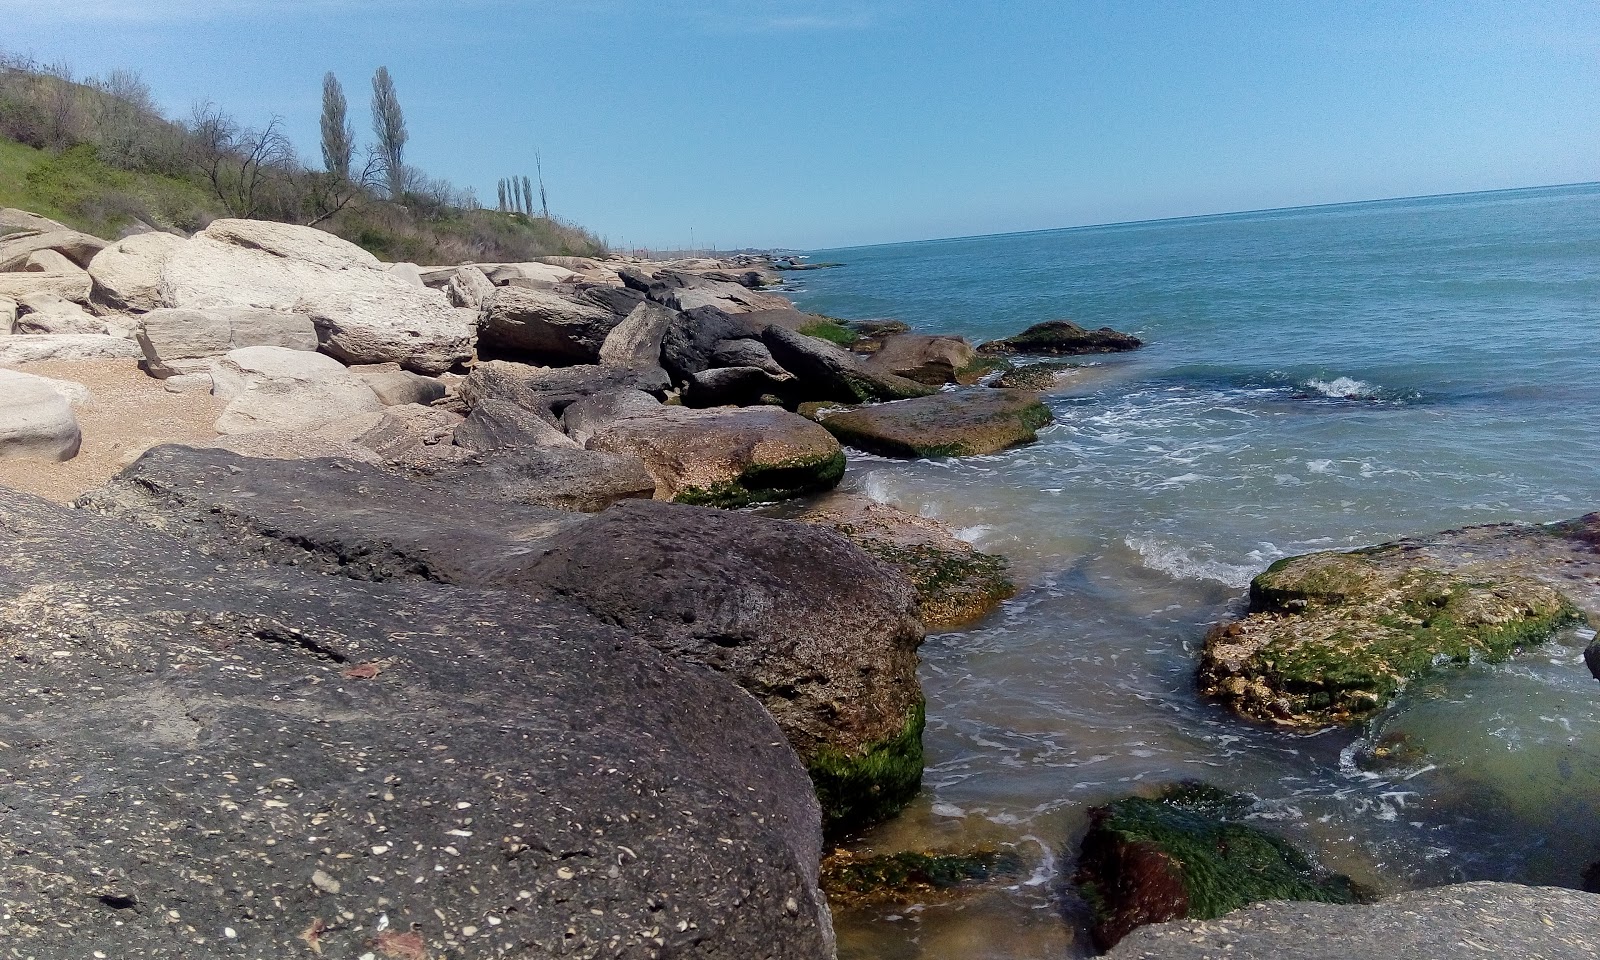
(1314, 379)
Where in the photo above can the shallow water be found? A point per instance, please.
(1314, 379)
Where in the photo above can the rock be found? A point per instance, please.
(564, 478)
(1591, 659)
(287, 407)
(468, 287)
(851, 879)
(189, 383)
(735, 386)
(822, 634)
(687, 292)
(1332, 638)
(47, 261)
(956, 584)
(549, 391)
(362, 313)
(787, 317)
(1183, 855)
(960, 424)
(587, 416)
(397, 387)
(881, 329)
(930, 360)
(544, 325)
(79, 248)
(8, 316)
(1042, 377)
(1491, 919)
(405, 434)
(496, 424)
(36, 417)
(726, 457)
(189, 341)
(246, 368)
(1062, 338)
(127, 274)
(541, 273)
(14, 221)
(308, 711)
(256, 327)
(745, 353)
(51, 315)
(691, 338)
(826, 372)
(66, 346)
(410, 273)
(636, 341)
(73, 285)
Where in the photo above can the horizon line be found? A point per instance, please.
(1207, 216)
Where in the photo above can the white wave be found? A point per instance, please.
(1180, 564)
(1319, 466)
(1344, 388)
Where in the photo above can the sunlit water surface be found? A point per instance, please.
(1314, 379)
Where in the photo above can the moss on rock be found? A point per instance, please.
(870, 785)
(962, 423)
(765, 482)
(1333, 637)
(1180, 855)
(954, 587)
(906, 878)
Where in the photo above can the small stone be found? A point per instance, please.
(325, 883)
(230, 933)
(565, 873)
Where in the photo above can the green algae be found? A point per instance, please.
(953, 587)
(766, 482)
(860, 788)
(905, 878)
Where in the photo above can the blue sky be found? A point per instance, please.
(816, 123)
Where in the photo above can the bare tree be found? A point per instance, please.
(127, 124)
(389, 127)
(538, 166)
(338, 136)
(61, 105)
(328, 193)
(242, 165)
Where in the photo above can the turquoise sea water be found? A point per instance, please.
(1314, 379)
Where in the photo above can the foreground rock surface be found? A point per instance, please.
(1333, 637)
(1464, 920)
(209, 761)
(963, 423)
(1183, 855)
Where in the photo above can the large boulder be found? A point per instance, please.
(66, 346)
(566, 478)
(13, 221)
(636, 341)
(127, 274)
(80, 248)
(262, 761)
(1332, 638)
(277, 390)
(821, 633)
(544, 325)
(963, 423)
(1467, 919)
(692, 337)
(736, 386)
(726, 457)
(397, 387)
(468, 287)
(549, 391)
(52, 315)
(177, 342)
(925, 359)
(36, 417)
(499, 424)
(1185, 854)
(826, 372)
(48, 261)
(1063, 338)
(66, 284)
(362, 313)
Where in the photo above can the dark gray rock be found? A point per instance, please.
(206, 760)
(1464, 920)
(544, 325)
(735, 386)
(692, 338)
(565, 478)
(1063, 338)
(636, 341)
(1591, 657)
(745, 353)
(549, 391)
(498, 424)
(586, 417)
(826, 372)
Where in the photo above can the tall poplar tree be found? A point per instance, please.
(338, 137)
(389, 126)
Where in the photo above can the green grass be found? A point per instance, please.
(76, 188)
(832, 331)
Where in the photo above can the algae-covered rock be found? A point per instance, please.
(1042, 377)
(852, 879)
(956, 583)
(1063, 338)
(1181, 855)
(1332, 637)
(962, 423)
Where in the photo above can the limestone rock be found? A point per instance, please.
(307, 694)
(67, 285)
(66, 346)
(397, 387)
(1332, 638)
(13, 221)
(77, 247)
(565, 478)
(548, 391)
(47, 261)
(127, 274)
(362, 313)
(826, 372)
(241, 370)
(8, 316)
(468, 287)
(726, 457)
(36, 417)
(496, 424)
(963, 423)
(182, 341)
(636, 341)
(280, 407)
(52, 315)
(1062, 338)
(545, 325)
(931, 360)
(587, 416)
(409, 272)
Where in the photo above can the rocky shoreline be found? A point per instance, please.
(446, 634)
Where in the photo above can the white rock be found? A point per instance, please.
(47, 261)
(78, 248)
(186, 341)
(68, 285)
(292, 407)
(8, 315)
(468, 287)
(54, 315)
(244, 369)
(409, 272)
(188, 383)
(66, 346)
(127, 274)
(14, 221)
(363, 314)
(36, 418)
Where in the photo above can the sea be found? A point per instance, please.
(1317, 378)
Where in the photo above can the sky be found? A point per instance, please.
(824, 123)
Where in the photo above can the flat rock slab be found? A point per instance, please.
(1464, 920)
(962, 423)
(209, 760)
(1332, 638)
(34, 348)
(563, 478)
